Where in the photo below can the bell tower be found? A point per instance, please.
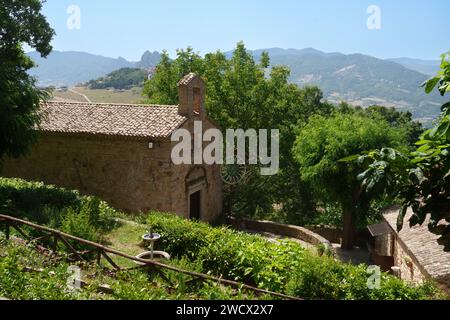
(191, 93)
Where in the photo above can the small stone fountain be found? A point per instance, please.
(149, 239)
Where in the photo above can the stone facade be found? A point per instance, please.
(410, 269)
(134, 174)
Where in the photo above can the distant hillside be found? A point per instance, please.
(358, 79)
(428, 67)
(70, 68)
(125, 78)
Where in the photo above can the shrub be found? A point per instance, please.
(25, 199)
(180, 237)
(77, 223)
(282, 267)
(81, 216)
(324, 278)
(51, 283)
(136, 286)
(17, 284)
(49, 205)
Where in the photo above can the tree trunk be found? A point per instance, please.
(348, 236)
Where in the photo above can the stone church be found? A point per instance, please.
(122, 154)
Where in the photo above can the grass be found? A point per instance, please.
(126, 238)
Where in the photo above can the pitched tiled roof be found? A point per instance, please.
(422, 244)
(149, 121)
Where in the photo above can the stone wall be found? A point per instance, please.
(109, 168)
(123, 172)
(409, 267)
(334, 234)
(280, 229)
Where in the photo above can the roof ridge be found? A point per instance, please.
(112, 104)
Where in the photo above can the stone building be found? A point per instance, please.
(413, 252)
(122, 154)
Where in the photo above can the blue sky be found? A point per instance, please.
(412, 28)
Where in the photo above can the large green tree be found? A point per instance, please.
(244, 93)
(401, 120)
(21, 22)
(321, 145)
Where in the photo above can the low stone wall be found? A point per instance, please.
(291, 231)
(332, 234)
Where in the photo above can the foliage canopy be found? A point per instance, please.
(324, 141)
(421, 178)
(21, 22)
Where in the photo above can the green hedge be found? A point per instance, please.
(283, 267)
(66, 210)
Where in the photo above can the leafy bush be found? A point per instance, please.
(180, 237)
(78, 224)
(25, 199)
(17, 284)
(51, 283)
(325, 278)
(82, 216)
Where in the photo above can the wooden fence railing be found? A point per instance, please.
(103, 251)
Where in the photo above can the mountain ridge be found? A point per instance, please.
(359, 79)
(69, 68)
(356, 78)
(428, 67)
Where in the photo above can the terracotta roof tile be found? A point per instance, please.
(149, 121)
(186, 79)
